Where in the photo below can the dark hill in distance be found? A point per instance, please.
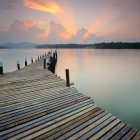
(18, 45)
(65, 46)
(117, 45)
(111, 45)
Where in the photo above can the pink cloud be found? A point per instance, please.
(23, 31)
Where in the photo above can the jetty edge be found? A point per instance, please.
(37, 104)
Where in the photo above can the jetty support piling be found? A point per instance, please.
(67, 78)
(25, 61)
(44, 63)
(31, 59)
(18, 65)
(56, 55)
(1, 68)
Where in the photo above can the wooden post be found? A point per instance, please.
(56, 55)
(25, 61)
(1, 68)
(44, 63)
(18, 65)
(38, 57)
(67, 78)
(32, 59)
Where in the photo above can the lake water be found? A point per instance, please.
(110, 77)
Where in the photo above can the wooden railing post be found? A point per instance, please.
(1, 68)
(67, 78)
(44, 63)
(18, 65)
(32, 59)
(25, 61)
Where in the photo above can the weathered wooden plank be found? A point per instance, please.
(42, 93)
(88, 128)
(47, 105)
(137, 137)
(36, 122)
(121, 133)
(35, 115)
(38, 103)
(96, 129)
(105, 129)
(130, 134)
(82, 126)
(113, 131)
(52, 124)
(85, 116)
(62, 132)
(49, 95)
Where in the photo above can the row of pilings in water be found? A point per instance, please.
(50, 60)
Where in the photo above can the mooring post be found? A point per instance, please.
(25, 61)
(18, 65)
(32, 59)
(44, 63)
(67, 78)
(1, 68)
(56, 55)
(38, 57)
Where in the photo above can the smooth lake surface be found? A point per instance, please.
(110, 77)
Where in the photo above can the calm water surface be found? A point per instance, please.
(110, 77)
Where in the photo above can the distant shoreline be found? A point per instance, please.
(111, 45)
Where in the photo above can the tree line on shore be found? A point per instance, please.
(104, 45)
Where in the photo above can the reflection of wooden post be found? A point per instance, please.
(32, 59)
(67, 78)
(25, 61)
(44, 63)
(18, 65)
(1, 68)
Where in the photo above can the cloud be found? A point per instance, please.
(9, 4)
(83, 36)
(23, 32)
(61, 11)
(57, 33)
(42, 5)
(28, 32)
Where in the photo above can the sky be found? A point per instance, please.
(69, 21)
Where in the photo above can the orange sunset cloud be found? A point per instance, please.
(46, 6)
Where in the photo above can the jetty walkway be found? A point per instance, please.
(36, 104)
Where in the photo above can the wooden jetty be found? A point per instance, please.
(37, 104)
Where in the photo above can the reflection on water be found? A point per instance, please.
(110, 77)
